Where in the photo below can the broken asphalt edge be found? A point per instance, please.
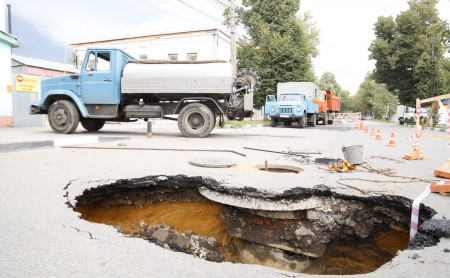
(27, 145)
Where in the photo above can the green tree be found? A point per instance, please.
(409, 51)
(346, 101)
(375, 97)
(281, 46)
(328, 82)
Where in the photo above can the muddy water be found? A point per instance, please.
(360, 256)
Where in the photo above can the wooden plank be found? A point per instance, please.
(435, 98)
(440, 188)
(433, 107)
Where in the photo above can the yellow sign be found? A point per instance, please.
(27, 83)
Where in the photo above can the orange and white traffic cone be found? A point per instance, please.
(373, 132)
(361, 126)
(392, 141)
(378, 137)
(367, 130)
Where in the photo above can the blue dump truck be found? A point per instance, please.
(113, 86)
(296, 102)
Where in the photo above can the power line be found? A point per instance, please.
(199, 11)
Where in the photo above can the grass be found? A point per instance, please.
(240, 124)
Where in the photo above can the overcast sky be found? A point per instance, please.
(46, 27)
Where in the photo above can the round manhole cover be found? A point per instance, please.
(279, 168)
(212, 162)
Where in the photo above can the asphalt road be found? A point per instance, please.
(42, 237)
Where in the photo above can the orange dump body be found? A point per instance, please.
(330, 102)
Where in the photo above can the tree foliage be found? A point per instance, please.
(409, 52)
(376, 98)
(281, 45)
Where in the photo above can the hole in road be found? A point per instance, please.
(337, 235)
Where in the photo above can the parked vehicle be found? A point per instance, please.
(295, 102)
(328, 106)
(113, 86)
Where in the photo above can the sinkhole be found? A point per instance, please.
(313, 231)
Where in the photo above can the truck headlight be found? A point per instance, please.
(298, 109)
(273, 110)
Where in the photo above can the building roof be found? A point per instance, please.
(38, 63)
(161, 26)
(6, 37)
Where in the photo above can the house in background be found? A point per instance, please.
(7, 42)
(169, 38)
(27, 74)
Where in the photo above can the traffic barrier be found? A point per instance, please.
(361, 126)
(415, 212)
(367, 130)
(392, 141)
(378, 137)
(373, 132)
(443, 171)
(416, 152)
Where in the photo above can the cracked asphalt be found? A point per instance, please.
(42, 236)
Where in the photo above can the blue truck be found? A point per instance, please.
(113, 86)
(296, 102)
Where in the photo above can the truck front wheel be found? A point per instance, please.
(302, 121)
(92, 124)
(63, 116)
(196, 120)
(273, 122)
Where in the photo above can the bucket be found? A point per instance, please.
(353, 154)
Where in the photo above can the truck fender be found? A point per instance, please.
(54, 95)
(202, 99)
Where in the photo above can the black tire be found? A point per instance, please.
(325, 119)
(287, 123)
(312, 120)
(92, 124)
(63, 116)
(301, 121)
(273, 122)
(196, 120)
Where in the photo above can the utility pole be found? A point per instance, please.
(233, 35)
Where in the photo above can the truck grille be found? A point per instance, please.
(286, 109)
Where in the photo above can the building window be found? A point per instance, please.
(143, 57)
(173, 57)
(191, 57)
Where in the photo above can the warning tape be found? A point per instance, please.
(415, 212)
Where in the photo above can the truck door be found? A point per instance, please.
(98, 84)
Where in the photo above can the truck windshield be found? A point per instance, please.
(291, 97)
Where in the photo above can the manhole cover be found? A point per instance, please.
(212, 162)
(279, 168)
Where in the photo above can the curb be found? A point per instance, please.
(428, 128)
(17, 146)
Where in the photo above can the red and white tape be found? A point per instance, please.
(415, 212)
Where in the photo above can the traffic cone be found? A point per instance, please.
(378, 137)
(392, 141)
(373, 132)
(367, 130)
(361, 126)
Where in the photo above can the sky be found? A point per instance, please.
(45, 28)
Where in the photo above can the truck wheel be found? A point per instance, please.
(63, 116)
(273, 122)
(312, 120)
(196, 120)
(92, 124)
(302, 121)
(325, 119)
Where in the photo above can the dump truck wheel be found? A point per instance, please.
(273, 122)
(325, 119)
(63, 116)
(196, 120)
(92, 124)
(312, 120)
(302, 122)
